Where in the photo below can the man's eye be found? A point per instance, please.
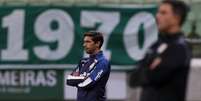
(163, 12)
(87, 42)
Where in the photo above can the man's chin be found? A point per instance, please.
(88, 52)
(161, 30)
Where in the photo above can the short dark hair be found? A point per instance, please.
(179, 8)
(96, 37)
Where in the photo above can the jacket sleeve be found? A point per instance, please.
(173, 60)
(75, 78)
(99, 71)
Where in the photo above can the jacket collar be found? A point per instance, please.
(98, 55)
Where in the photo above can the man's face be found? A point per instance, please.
(89, 45)
(166, 18)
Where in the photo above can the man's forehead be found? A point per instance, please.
(87, 38)
(165, 6)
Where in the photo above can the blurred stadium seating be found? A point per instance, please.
(87, 1)
(194, 15)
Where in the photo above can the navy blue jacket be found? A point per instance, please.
(96, 70)
(167, 82)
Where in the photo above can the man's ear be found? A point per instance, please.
(178, 19)
(98, 44)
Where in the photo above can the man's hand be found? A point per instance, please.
(155, 63)
(75, 74)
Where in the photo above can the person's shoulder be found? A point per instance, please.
(181, 42)
(104, 60)
(182, 45)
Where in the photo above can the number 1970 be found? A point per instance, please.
(64, 35)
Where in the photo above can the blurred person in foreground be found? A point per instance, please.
(168, 59)
(92, 73)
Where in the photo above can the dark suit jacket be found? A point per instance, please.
(167, 82)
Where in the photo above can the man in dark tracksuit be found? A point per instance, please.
(168, 59)
(92, 73)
